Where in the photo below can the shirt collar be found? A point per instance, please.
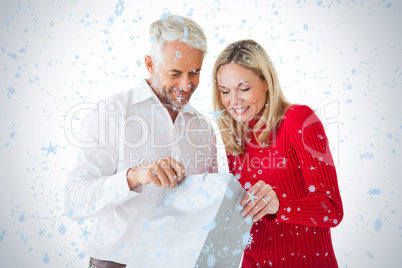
(143, 92)
(188, 109)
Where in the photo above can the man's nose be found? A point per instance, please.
(185, 84)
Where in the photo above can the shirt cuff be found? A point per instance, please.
(117, 189)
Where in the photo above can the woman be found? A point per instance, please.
(280, 154)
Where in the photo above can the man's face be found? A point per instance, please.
(177, 76)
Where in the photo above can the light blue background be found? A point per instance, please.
(343, 56)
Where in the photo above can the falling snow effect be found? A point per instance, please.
(209, 226)
(247, 185)
(370, 255)
(178, 54)
(37, 93)
(374, 191)
(251, 197)
(229, 193)
(217, 113)
(119, 8)
(367, 156)
(247, 239)
(21, 218)
(211, 261)
(62, 229)
(46, 259)
(378, 225)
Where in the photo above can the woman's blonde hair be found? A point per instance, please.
(250, 55)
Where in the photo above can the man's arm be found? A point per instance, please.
(93, 186)
(213, 168)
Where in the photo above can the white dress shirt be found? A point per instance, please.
(126, 130)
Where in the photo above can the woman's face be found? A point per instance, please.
(242, 92)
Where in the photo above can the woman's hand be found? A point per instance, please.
(259, 201)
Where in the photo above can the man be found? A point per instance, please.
(146, 139)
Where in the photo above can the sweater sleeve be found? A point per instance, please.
(322, 207)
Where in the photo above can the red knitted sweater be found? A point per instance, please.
(299, 166)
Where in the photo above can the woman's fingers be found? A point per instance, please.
(259, 201)
(261, 214)
(260, 205)
(273, 203)
(253, 196)
(252, 192)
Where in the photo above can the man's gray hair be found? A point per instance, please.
(175, 28)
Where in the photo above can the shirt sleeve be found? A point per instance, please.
(322, 207)
(93, 186)
(213, 167)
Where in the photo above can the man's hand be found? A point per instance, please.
(166, 173)
(259, 201)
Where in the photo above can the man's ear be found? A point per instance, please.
(149, 64)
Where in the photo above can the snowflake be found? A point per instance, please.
(353, 71)
(211, 261)
(210, 226)
(217, 113)
(238, 141)
(311, 188)
(375, 191)
(248, 220)
(251, 197)
(119, 8)
(370, 255)
(389, 136)
(367, 155)
(247, 239)
(229, 193)
(178, 54)
(247, 185)
(378, 225)
(236, 252)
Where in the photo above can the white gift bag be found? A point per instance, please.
(196, 224)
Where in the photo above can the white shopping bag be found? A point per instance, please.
(196, 224)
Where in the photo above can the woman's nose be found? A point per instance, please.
(235, 99)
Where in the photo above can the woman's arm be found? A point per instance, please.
(322, 207)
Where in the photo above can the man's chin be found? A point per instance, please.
(180, 103)
(178, 106)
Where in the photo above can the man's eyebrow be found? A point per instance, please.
(196, 70)
(175, 71)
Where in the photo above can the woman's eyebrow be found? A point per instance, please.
(242, 82)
